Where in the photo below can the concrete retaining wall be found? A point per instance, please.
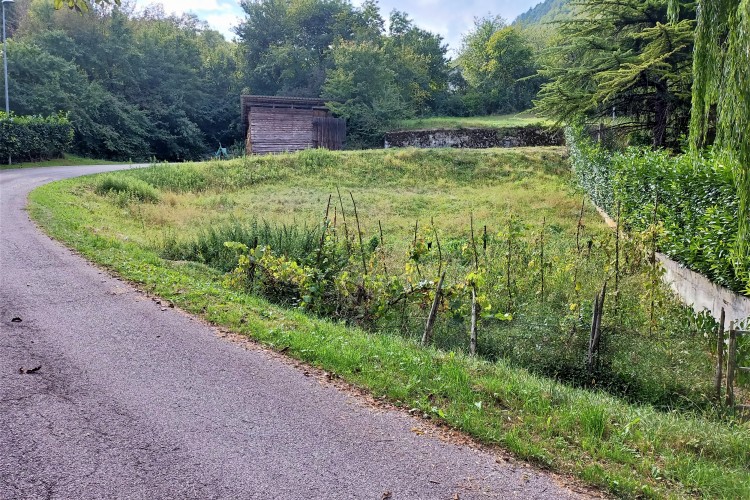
(510, 137)
(696, 290)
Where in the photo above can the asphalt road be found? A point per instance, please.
(135, 402)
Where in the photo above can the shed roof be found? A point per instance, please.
(266, 101)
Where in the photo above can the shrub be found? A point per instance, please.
(695, 203)
(33, 138)
(130, 187)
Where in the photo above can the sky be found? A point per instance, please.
(449, 18)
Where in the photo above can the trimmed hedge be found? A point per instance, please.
(34, 138)
(696, 203)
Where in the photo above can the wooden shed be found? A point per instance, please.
(281, 124)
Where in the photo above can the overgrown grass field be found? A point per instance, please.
(305, 283)
(491, 121)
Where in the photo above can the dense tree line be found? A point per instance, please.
(140, 84)
(498, 64)
(134, 85)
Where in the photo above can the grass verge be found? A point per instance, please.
(66, 161)
(630, 450)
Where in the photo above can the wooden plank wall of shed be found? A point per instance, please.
(329, 133)
(276, 130)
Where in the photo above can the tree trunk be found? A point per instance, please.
(661, 114)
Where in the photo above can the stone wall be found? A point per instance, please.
(510, 137)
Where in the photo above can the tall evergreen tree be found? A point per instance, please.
(622, 54)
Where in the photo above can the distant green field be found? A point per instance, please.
(67, 161)
(453, 122)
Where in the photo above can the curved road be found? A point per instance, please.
(135, 402)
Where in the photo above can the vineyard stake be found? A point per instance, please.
(427, 335)
(731, 364)
(473, 333)
(382, 247)
(440, 250)
(473, 243)
(359, 232)
(541, 241)
(343, 218)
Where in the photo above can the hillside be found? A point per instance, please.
(545, 12)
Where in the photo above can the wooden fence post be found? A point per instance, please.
(617, 262)
(731, 364)
(473, 334)
(596, 326)
(719, 356)
(427, 335)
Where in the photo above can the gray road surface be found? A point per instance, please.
(135, 402)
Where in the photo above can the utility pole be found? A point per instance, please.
(5, 67)
(5, 58)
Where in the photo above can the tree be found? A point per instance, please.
(418, 59)
(135, 86)
(624, 54)
(363, 89)
(82, 5)
(105, 126)
(286, 43)
(495, 59)
(721, 98)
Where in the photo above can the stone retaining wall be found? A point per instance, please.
(509, 137)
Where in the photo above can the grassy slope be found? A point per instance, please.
(67, 161)
(394, 188)
(448, 122)
(627, 449)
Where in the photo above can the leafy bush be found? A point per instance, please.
(129, 187)
(296, 242)
(694, 204)
(33, 138)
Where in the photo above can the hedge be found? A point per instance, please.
(696, 203)
(34, 138)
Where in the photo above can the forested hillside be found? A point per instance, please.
(545, 12)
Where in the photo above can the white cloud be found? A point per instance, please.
(223, 23)
(221, 15)
(181, 6)
(448, 18)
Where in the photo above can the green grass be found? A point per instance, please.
(493, 121)
(630, 450)
(196, 208)
(67, 161)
